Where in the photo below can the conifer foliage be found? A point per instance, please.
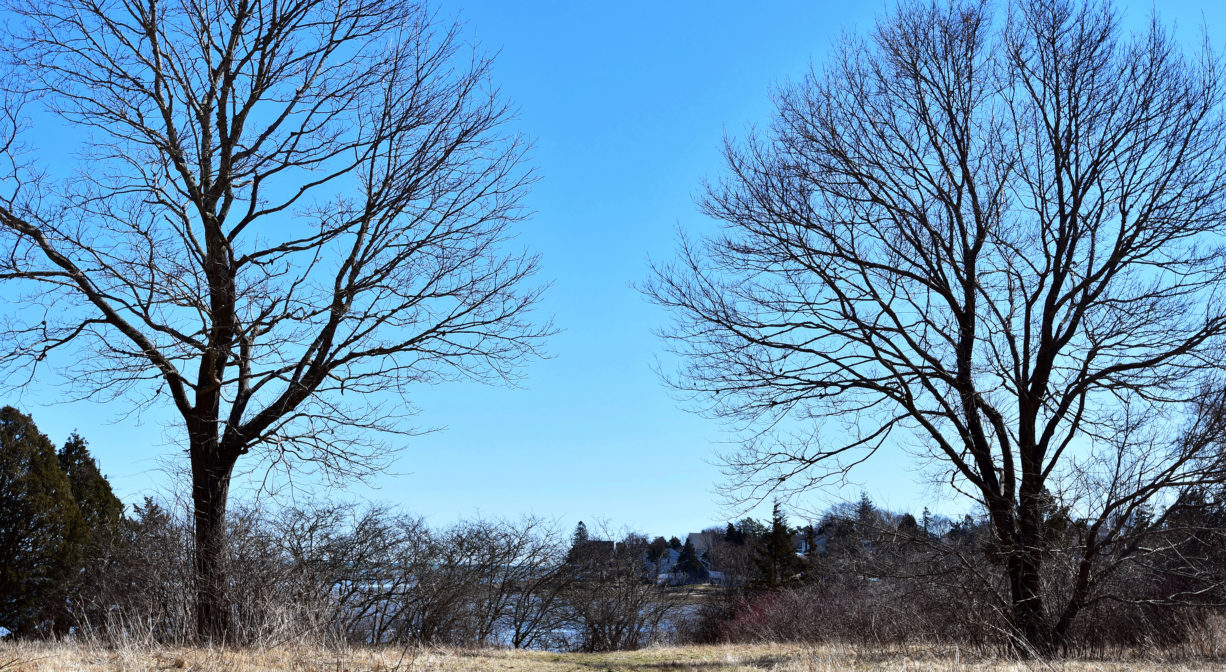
(689, 564)
(100, 509)
(56, 511)
(776, 556)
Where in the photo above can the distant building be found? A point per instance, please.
(704, 541)
(801, 542)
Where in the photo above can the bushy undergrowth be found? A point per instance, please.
(879, 616)
(888, 580)
(347, 575)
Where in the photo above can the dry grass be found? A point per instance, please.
(41, 657)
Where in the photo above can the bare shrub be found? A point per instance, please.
(613, 603)
(888, 580)
(144, 594)
(337, 574)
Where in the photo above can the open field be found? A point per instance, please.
(36, 657)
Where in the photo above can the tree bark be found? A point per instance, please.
(1034, 633)
(1029, 622)
(210, 489)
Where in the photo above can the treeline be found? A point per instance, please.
(867, 576)
(342, 574)
(72, 561)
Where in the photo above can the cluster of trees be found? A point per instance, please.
(748, 554)
(74, 561)
(71, 559)
(57, 514)
(875, 577)
(621, 605)
(864, 575)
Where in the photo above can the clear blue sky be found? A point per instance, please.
(627, 103)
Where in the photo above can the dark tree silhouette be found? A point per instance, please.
(41, 531)
(1002, 235)
(656, 549)
(775, 553)
(101, 516)
(100, 509)
(286, 216)
(580, 545)
(689, 564)
(734, 536)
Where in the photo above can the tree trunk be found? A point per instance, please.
(1034, 635)
(210, 490)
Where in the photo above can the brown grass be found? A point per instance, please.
(44, 657)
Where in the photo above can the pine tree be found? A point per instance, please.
(776, 556)
(578, 540)
(41, 530)
(656, 549)
(689, 563)
(750, 529)
(734, 536)
(865, 511)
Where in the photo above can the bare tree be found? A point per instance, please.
(991, 240)
(283, 216)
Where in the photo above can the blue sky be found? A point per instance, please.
(627, 103)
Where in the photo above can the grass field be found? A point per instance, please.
(37, 657)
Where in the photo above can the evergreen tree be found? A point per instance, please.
(750, 529)
(578, 540)
(675, 544)
(101, 514)
(733, 535)
(656, 549)
(100, 509)
(866, 513)
(41, 530)
(963, 532)
(776, 557)
(689, 563)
